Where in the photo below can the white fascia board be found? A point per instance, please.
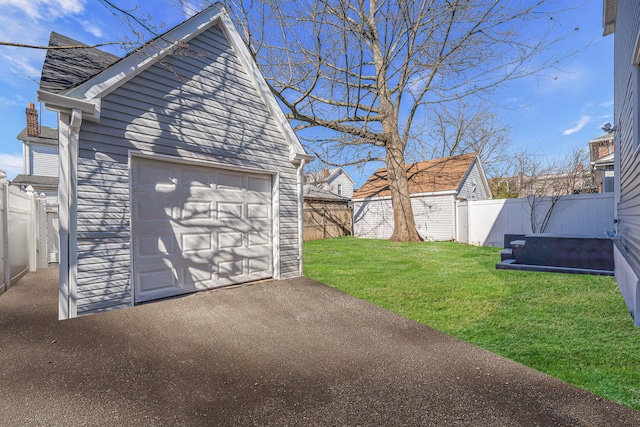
(412, 195)
(485, 181)
(337, 174)
(244, 55)
(130, 66)
(296, 157)
(65, 104)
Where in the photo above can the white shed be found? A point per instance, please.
(179, 171)
(435, 186)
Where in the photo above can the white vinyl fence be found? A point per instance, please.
(27, 241)
(487, 221)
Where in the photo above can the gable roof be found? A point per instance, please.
(333, 173)
(66, 94)
(445, 174)
(323, 176)
(311, 192)
(65, 68)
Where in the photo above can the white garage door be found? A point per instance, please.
(197, 228)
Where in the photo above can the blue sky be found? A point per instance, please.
(548, 114)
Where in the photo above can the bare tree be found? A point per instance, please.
(459, 128)
(544, 183)
(367, 71)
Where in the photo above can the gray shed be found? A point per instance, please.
(179, 171)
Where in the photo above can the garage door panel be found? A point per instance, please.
(196, 242)
(196, 210)
(156, 280)
(206, 228)
(229, 239)
(259, 265)
(258, 211)
(227, 210)
(154, 211)
(153, 246)
(259, 184)
(257, 238)
(230, 181)
(198, 276)
(196, 179)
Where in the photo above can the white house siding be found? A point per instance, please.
(473, 187)
(434, 216)
(347, 185)
(192, 106)
(43, 160)
(373, 219)
(627, 92)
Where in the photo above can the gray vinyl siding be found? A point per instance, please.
(199, 106)
(104, 279)
(627, 25)
(473, 187)
(347, 185)
(629, 225)
(434, 217)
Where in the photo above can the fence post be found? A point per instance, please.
(4, 188)
(42, 232)
(32, 230)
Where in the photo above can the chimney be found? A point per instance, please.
(326, 172)
(32, 121)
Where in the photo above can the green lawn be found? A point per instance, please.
(573, 327)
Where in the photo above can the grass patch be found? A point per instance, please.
(572, 327)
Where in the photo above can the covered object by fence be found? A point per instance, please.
(487, 221)
(326, 214)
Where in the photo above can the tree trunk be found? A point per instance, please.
(404, 224)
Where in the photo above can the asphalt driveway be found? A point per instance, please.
(292, 352)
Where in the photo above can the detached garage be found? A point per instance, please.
(178, 170)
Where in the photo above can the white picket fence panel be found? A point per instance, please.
(28, 233)
(578, 215)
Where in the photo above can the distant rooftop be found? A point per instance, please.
(424, 177)
(46, 133)
(313, 192)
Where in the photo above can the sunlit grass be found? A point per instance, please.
(573, 327)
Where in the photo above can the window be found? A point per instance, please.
(339, 189)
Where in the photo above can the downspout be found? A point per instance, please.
(300, 215)
(4, 185)
(69, 132)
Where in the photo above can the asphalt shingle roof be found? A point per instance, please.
(65, 68)
(313, 192)
(45, 133)
(424, 177)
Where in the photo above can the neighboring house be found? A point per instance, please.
(548, 184)
(602, 159)
(336, 181)
(623, 18)
(326, 214)
(435, 186)
(179, 171)
(40, 157)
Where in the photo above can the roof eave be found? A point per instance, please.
(609, 12)
(130, 66)
(64, 104)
